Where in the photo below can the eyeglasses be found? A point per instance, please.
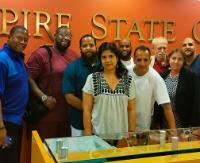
(189, 44)
(67, 36)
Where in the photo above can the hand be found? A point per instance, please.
(132, 139)
(3, 134)
(50, 102)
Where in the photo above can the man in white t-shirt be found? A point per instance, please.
(150, 87)
(125, 53)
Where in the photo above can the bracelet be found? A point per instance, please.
(1, 128)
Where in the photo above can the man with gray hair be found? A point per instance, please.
(158, 61)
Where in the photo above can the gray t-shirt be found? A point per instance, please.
(109, 114)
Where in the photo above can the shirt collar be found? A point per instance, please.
(13, 54)
(84, 63)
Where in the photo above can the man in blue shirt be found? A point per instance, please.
(74, 79)
(193, 63)
(192, 59)
(13, 94)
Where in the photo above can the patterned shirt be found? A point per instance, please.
(171, 83)
(109, 114)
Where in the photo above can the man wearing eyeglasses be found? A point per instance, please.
(192, 59)
(56, 122)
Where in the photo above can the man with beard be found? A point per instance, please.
(125, 53)
(192, 59)
(158, 61)
(56, 122)
(193, 63)
(74, 79)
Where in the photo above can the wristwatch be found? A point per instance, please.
(44, 98)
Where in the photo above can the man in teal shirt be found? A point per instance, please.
(74, 79)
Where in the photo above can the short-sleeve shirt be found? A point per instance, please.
(109, 113)
(74, 79)
(38, 67)
(13, 85)
(128, 64)
(172, 83)
(149, 88)
(195, 66)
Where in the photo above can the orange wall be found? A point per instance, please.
(184, 12)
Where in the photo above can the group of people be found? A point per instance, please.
(107, 90)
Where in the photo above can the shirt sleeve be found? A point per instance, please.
(88, 87)
(160, 91)
(68, 85)
(132, 89)
(36, 63)
(3, 72)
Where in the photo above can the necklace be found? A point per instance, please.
(173, 75)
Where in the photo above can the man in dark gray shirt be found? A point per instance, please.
(192, 59)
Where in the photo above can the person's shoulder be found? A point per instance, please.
(3, 54)
(154, 74)
(198, 58)
(130, 70)
(96, 73)
(75, 63)
(39, 52)
(90, 76)
(187, 72)
(4, 57)
(72, 53)
(153, 58)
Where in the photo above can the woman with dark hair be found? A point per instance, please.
(109, 97)
(180, 83)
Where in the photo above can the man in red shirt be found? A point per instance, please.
(56, 122)
(159, 61)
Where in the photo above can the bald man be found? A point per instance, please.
(192, 59)
(125, 53)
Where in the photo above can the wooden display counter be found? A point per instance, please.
(94, 150)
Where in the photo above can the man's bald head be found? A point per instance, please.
(188, 47)
(125, 49)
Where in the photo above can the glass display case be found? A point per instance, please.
(123, 146)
